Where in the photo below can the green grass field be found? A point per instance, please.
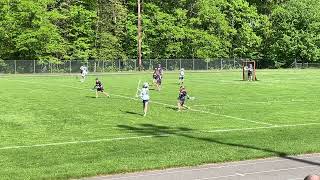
(55, 128)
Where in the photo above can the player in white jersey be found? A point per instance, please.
(84, 72)
(181, 76)
(144, 95)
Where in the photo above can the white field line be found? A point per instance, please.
(143, 137)
(258, 102)
(205, 167)
(82, 142)
(257, 172)
(256, 128)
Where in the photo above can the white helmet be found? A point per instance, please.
(145, 85)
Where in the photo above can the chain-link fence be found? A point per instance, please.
(99, 66)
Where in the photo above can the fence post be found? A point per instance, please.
(102, 65)
(15, 66)
(207, 65)
(166, 64)
(193, 64)
(180, 64)
(150, 64)
(34, 66)
(221, 64)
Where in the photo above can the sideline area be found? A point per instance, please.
(284, 168)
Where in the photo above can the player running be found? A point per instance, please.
(181, 76)
(154, 76)
(99, 88)
(158, 80)
(144, 95)
(182, 98)
(84, 72)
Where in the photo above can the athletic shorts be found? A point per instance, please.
(159, 81)
(249, 73)
(100, 89)
(181, 77)
(145, 102)
(181, 101)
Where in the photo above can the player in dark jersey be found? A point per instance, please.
(154, 76)
(158, 81)
(99, 88)
(182, 97)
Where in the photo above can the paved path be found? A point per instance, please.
(283, 168)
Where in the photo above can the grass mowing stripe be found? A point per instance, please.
(195, 110)
(151, 136)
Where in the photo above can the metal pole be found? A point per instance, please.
(207, 65)
(103, 66)
(166, 64)
(150, 64)
(34, 66)
(180, 64)
(220, 64)
(193, 64)
(119, 65)
(70, 67)
(15, 66)
(139, 35)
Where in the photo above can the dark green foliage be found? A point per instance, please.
(270, 31)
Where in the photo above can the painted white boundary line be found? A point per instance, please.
(201, 111)
(256, 128)
(82, 142)
(142, 137)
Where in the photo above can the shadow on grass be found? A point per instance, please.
(93, 97)
(151, 129)
(130, 112)
(172, 108)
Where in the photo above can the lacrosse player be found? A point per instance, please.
(99, 88)
(84, 72)
(181, 76)
(144, 95)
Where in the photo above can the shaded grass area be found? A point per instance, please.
(44, 110)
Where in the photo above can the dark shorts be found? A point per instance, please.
(81, 72)
(181, 102)
(249, 73)
(159, 81)
(154, 76)
(100, 89)
(181, 77)
(145, 101)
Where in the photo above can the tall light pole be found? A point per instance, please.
(139, 36)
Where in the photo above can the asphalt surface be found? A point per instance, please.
(281, 168)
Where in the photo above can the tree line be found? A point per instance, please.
(273, 32)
